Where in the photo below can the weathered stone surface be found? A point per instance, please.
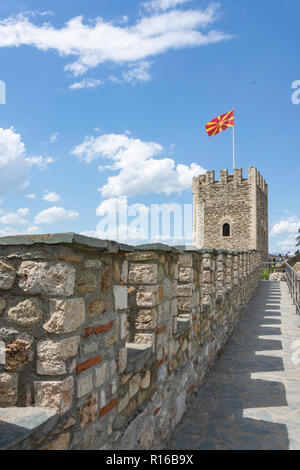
(47, 279)
(70, 423)
(57, 395)
(160, 274)
(106, 279)
(146, 256)
(27, 313)
(184, 304)
(147, 435)
(124, 272)
(207, 262)
(167, 288)
(135, 430)
(134, 385)
(147, 296)
(7, 276)
(143, 338)
(180, 407)
(122, 359)
(185, 274)
(3, 305)
(116, 271)
(146, 319)
(143, 274)
(60, 443)
(113, 338)
(19, 352)
(120, 296)
(185, 260)
(92, 263)
(145, 381)
(87, 283)
(69, 257)
(100, 374)
(123, 402)
(66, 315)
(206, 277)
(90, 347)
(88, 412)
(96, 307)
(84, 385)
(53, 354)
(8, 389)
(185, 290)
(123, 325)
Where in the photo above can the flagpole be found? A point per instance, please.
(233, 146)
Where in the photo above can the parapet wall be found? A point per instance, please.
(116, 339)
(254, 178)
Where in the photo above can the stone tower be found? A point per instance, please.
(232, 213)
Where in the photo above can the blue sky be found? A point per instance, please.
(110, 98)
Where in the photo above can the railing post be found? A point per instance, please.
(293, 281)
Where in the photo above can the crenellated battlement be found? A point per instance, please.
(254, 178)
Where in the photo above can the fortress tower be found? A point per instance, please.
(232, 213)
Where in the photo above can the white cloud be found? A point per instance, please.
(14, 163)
(98, 41)
(38, 13)
(51, 197)
(13, 218)
(54, 137)
(156, 5)
(9, 231)
(139, 172)
(41, 162)
(140, 73)
(31, 196)
(14, 168)
(25, 185)
(23, 212)
(288, 244)
(55, 215)
(289, 225)
(33, 229)
(86, 83)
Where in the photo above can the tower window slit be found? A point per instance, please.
(226, 230)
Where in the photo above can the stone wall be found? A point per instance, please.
(240, 202)
(116, 339)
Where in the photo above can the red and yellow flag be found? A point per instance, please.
(221, 123)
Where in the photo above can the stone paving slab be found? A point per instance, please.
(251, 398)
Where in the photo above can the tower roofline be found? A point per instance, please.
(254, 178)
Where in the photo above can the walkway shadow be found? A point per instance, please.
(218, 420)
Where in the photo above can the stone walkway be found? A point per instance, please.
(251, 398)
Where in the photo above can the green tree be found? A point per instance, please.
(298, 238)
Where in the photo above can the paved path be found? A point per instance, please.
(251, 398)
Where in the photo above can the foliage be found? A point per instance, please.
(266, 273)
